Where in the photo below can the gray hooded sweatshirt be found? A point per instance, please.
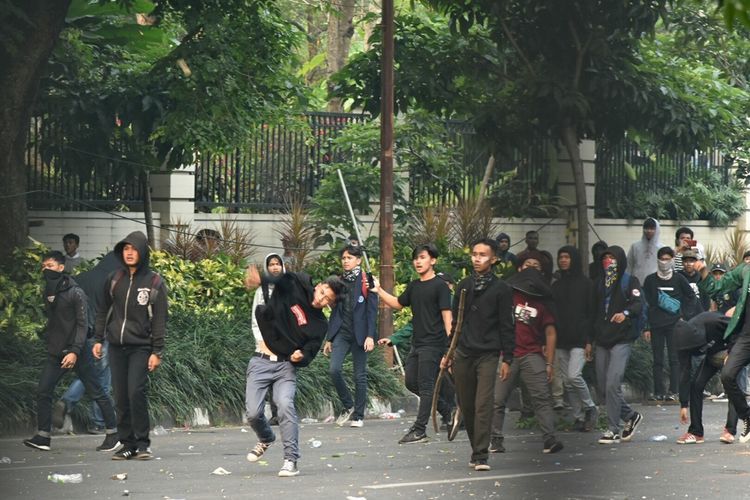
(642, 255)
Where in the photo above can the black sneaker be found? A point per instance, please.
(124, 454)
(413, 436)
(609, 437)
(38, 442)
(496, 445)
(552, 445)
(745, 434)
(481, 465)
(630, 427)
(455, 423)
(111, 443)
(258, 451)
(58, 414)
(143, 454)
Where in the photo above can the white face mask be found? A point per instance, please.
(665, 265)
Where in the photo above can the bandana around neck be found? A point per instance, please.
(350, 276)
(481, 281)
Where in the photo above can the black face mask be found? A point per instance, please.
(52, 278)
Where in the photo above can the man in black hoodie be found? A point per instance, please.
(293, 326)
(486, 336)
(65, 336)
(617, 304)
(575, 316)
(134, 321)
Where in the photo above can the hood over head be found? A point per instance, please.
(531, 282)
(503, 236)
(140, 242)
(269, 257)
(689, 335)
(575, 259)
(619, 254)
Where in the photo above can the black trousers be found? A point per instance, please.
(739, 356)
(421, 371)
(51, 375)
(661, 337)
(709, 366)
(129, 365)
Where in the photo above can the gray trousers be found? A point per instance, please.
(532, 370)
(571, 363)
(282, 376)
(610, 372)
(474, 379)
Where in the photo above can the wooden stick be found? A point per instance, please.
(449, 356)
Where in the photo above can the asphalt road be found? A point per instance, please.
(368, 463)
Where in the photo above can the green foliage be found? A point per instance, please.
(702, 197)
(209, 343)
(639, 372)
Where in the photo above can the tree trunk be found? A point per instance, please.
(315, 27)
(22, 67)
(570, 140)
(340, 32)
(486, 179)
(148, 210)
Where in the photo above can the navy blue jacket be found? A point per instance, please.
(364, 314)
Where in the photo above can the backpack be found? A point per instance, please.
(156, 285)
(639, 323)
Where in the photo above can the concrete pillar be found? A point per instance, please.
(566, 186)
(173, 196)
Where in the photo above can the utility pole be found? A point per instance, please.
(385, 328)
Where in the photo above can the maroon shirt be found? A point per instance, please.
(532, 317)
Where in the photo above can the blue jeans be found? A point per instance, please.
(76, 390)
(343, 345)
(52, 372)
(610, 372)
(263, 374)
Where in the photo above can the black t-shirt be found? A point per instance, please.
(427, 300)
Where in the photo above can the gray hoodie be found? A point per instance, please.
(642, 255)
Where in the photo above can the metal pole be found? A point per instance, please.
(354, 221)
(386, 169)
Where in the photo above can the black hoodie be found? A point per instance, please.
(129, 322)
(574, 303)
(606, 332)
(289, 321)
(67, 318)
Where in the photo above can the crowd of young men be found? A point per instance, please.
(531, 328)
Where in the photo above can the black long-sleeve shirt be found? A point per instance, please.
(488, 319)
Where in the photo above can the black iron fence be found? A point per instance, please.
(625, 170)
(276, 163)
(521, 173)
(64, 177)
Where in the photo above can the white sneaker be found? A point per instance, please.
(344, 417)
(357, 423)
(289, 469)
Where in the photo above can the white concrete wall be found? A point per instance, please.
(99, 231)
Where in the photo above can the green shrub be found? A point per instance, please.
(209, 343)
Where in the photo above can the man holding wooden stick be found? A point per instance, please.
(487, 335)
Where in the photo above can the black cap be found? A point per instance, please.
(718, 267)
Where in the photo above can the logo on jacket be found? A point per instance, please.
(143, 294)
(51, 298)
(299, 314)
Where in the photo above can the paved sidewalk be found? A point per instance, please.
(368, 463)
